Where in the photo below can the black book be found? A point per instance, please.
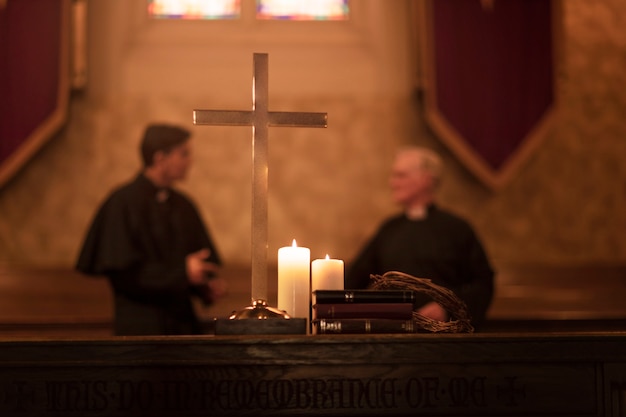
(400, 311)
(363, 296)
(360, 326)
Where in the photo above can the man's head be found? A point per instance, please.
(415, 175)
(166, 153)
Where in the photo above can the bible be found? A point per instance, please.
(359, 326)
(402, 311)
(363, 296)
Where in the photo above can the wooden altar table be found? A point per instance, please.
(525, 374)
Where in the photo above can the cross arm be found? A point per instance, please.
(223, 117)
(297, 119)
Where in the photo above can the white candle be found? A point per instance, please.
(294, 280)
(327, 274)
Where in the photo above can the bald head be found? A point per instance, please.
(423, 159)
(415, 175)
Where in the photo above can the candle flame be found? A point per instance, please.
(327, 257)
(293, 244)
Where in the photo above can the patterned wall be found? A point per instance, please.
(329, 187)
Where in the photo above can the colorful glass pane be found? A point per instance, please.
(303, 9)
(194, 9)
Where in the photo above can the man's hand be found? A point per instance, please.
(217, 287)
(198, 269)
(211, 290)
(434, 311)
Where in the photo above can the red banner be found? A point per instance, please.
(34, 83)
(490, 88)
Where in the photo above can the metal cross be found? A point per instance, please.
(260, 118)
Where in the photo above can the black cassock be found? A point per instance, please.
(139, 240)
(441, 247)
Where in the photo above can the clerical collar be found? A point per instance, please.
(417, 213)
(162, 195)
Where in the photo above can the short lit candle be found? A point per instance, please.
(294, 280)
(327, 274)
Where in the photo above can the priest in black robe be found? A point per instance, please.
(426, 241)
(150, 241)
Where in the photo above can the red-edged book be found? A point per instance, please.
(359, 326)
(398, 311)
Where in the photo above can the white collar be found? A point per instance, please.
(417, 213)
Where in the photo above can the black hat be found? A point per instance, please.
(161, 137)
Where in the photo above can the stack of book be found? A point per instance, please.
(362, 311)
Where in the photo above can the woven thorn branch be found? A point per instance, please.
(459, 316)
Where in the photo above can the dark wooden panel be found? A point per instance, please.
(454, 375)
(61, 302)
(559, 292)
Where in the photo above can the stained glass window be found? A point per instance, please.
(194, 9)
(265, 9)
(302, 9)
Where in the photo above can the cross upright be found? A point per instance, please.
(260, 118)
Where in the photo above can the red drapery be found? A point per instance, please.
(33, 77)
(491, 74)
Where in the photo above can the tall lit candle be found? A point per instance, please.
(294, 280)
(327, 274)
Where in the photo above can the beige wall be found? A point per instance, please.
(328, 187)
